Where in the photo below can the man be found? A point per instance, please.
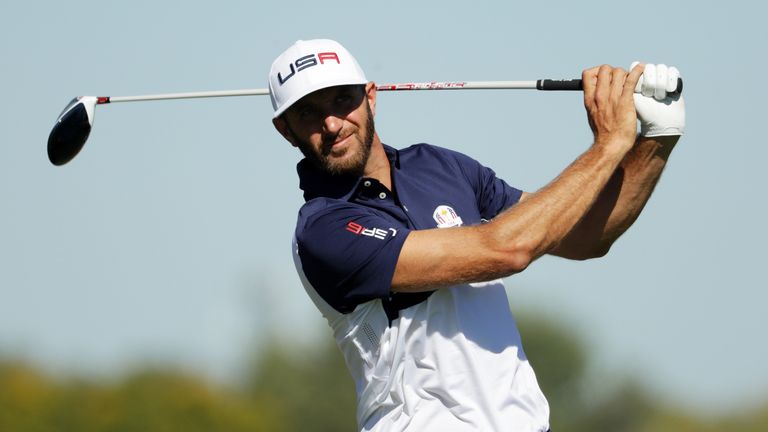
(403, 250)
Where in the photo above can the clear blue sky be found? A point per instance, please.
(168, 238)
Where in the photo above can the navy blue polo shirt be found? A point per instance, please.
(350, 231)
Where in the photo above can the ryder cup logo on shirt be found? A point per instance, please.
(446, 217)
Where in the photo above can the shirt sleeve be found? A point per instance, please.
(493, 194)
(348, 253)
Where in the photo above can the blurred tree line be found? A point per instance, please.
(311, 391)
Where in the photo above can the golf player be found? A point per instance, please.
(403, 250)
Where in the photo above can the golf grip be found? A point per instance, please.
(575, 84)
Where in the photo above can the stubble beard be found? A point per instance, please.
(355, 166)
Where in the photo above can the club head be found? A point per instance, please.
(71, 129)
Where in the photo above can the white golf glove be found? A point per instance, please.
(661, 113)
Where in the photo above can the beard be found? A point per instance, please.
(355, 165)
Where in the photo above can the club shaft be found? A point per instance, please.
(434, 85)
(190, 95)
(542, 84)
(459, 85)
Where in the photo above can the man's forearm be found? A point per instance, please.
(622, 200)
(509, 243)
(545, 218)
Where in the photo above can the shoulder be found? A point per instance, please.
(318, 208)
(424, 154)
(429, 154)
(428, 150)
(322, 216)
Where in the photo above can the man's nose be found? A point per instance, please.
(332, 124)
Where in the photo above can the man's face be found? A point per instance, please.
(333, 128)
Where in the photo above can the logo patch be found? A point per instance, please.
(446, 217)
(378, 233)
(308, 61)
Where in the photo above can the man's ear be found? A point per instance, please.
(370, 94)
(282, 127)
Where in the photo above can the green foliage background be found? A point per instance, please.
(310, 390)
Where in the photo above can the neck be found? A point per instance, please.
(378, 164)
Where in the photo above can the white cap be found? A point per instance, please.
(307, 66)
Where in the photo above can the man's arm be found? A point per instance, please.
(662, 120)
(621, 202)
(442, 257)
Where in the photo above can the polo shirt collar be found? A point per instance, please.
(315, 183)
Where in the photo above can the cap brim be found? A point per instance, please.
(313, 88)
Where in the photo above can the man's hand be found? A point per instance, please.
(661, 113)
(610, 108)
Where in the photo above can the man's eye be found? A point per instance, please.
(343, 98)
(305, 112)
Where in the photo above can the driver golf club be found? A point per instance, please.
(76, 120)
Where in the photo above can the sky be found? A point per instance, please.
(167, 239)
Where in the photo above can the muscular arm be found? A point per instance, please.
(620, 202)
(508, 244)
(441, 257)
